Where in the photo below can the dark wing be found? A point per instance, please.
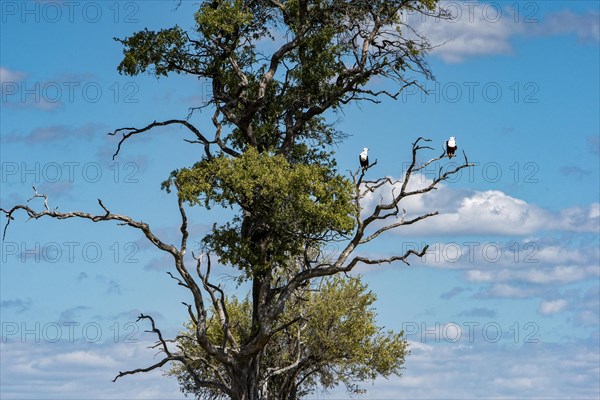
(365, 162)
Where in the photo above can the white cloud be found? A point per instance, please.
(496, 211)
(493, 211)
(81, 370)
(492, 371)
(7, 75)
(482, 212)
(553, 274)
(514, 383)
(552, 307)
(487, 28)
(594, 211)
(586, 26)
(471, 33)
(85, 359)
(503, 290)
(475, 29)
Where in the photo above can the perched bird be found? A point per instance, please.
(364, 158)
(451, 147)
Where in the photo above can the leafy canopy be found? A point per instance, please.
(336, 341)
(285, 204)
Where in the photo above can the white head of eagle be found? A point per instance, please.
(364, 158)
(451, 147)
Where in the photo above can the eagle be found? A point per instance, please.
(364, 158)
(451, 147)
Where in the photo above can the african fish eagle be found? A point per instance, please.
(364, 158)
(451, 147)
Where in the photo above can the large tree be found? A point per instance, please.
(328, 337)
(271, 159)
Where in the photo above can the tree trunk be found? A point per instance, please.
(245, 381)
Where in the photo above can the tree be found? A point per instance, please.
(271, 160)
(328, 336)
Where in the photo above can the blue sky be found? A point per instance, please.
(505, 305)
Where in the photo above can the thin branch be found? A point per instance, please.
(217, 301)
(395, 225)
(170, 356)
(129, 132)
(108, 216)
(36, 194)
(388, 260)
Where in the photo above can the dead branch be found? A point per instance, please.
(218, 302)
(172, 357)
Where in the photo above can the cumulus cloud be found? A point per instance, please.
(80, 358)
(474, 30)
(554, 274)
(496, 212)
(488, 28)
(491, 371)
(586, 307)
(552, 307)
(482, 212)
(526, 251)
(81, 370)
(519, 270)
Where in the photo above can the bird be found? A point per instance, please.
(364, 158)
(451, 147)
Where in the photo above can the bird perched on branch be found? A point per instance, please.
(364, 158)
(451, 147)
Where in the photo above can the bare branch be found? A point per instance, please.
(388, 260)
(170, 356)
(147, 369)
(218, 302)
(128, 132)
(108, 216)
(395, 225)
(36, 194)
(179, 281)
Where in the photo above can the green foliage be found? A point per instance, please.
(284, 207)
(323, 69)
(240, 316)
(163, 49)
(342, 337)
(227, 17)
(336, 342)
(279, 71)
